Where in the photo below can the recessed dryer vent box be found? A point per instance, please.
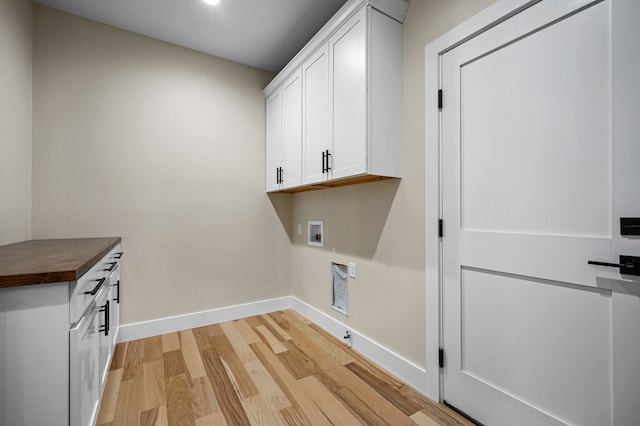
(316, 233)
(340, 280)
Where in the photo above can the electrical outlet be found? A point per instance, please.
(352, 269)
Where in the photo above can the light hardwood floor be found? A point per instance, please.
(275, 369)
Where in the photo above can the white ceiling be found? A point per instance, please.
(264, 34)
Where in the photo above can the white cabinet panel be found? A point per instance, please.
(291, 174)
(34, 323)
(317, 122)
(114, 303)
(349, 88)
(84, 380)
(274, 141)
(104, 339)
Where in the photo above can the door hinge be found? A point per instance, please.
(441, 358)
(440, 99)
(440, 228)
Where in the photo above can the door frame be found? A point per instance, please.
(622, 10)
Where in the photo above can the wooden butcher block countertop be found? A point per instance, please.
(50, 261)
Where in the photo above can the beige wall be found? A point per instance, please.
(16, 41)
(380, 226)
(163, 146)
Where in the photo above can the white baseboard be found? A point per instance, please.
(403, 369)
(140, 330)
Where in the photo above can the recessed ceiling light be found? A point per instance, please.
(214, 2)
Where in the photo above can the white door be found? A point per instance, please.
(535, 176)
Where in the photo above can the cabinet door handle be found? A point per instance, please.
(324, 169)
(96, 288)
(117, 298)
(112, 267)
(107, 318)
(328, 155)
(105, 309)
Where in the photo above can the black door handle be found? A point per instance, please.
(629, 265)
(328, 155)
(613, 265)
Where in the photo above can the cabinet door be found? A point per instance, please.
(348, 48)
(84, 387)
(317, 119)
(291, 174)
(274, 141)
(114, 308)
(103, 302)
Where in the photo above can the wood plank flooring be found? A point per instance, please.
(274, 369)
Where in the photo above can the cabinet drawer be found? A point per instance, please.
(84, 291)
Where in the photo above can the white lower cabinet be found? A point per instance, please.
(57, 343)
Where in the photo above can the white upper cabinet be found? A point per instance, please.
(350, 75)
(284, 136)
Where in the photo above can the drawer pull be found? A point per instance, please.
(112, 267)
(117, 298)
(97, 287)
(105, 327)
(118, 255)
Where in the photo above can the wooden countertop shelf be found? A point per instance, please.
(49, 261)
